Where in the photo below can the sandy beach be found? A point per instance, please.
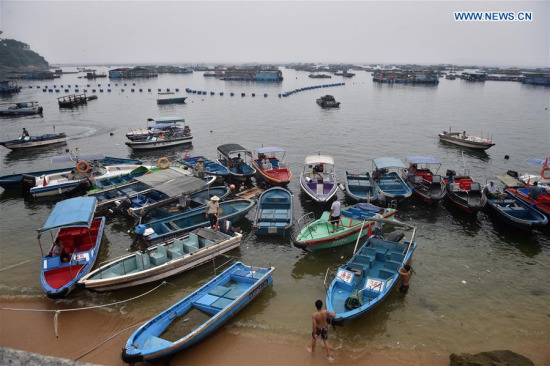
(80, 334)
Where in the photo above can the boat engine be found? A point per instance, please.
(396, 236)
(27, 182)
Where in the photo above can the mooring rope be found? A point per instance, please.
(57, 312)
(107, 340)
(17, 265)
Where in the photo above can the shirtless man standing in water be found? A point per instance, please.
(320, 328)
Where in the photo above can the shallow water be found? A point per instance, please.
(504, 302)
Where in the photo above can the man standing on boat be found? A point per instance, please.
(377, 224)
(25, 133)
(335, 212)
(320, 328)
(212, 211)
(200, 168)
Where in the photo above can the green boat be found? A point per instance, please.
(318, 234)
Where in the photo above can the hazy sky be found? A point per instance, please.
(311, 31)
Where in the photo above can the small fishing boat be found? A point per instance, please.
(27, 142)
(274, 213)
(367, 279)
(153, 128)
(14, 181)
(161, 261)
(20, 109)
(110, 182)
(388, 182)
(70, 180)
(166, 98)
(9, 87)
(80, 234)
(515, 212)
(541, 203)
(270, 166)
(237, 159)
(210, 167)
(171, 135)
(73, 100)
(464, 192)
(427, 185)
(198, 314)
(319, 76)
(172, 226)
(354, 222)
(360, 187)
(161, 184)
(543, 178)
(462, 139)
(318, 178)
(182, 203)
(328, 101)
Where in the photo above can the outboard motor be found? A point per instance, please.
(450, 173)
(513, 173)
(82, 187)
(28, 181)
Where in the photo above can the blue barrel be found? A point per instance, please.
(44, 90)
(68, 86)
(265, 95)
(140, 90)
(76, 86)
(85, 90)
(212, 93)
(221, 93)
(134, 84)
(149, 90)
(116, 84)
(159, 89)
(98, 85)
(125, 84)
(232, 94)
(50, 90)
(108, 84)
(243, 94)
(101, 90)
(88, 85)
(57, 90)
(76, 90)
(30, 86)
(168, 89)
(108, 90)
(177, 90)
(122, 90)
(253, 94)
(66, 90)
(93, 90)
(140, 229)
(279, 95)
(132, 90)
(55, 86)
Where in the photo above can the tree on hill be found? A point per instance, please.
(15, 54)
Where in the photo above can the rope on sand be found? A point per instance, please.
(107, 340)
(17, 265)
(57, 312)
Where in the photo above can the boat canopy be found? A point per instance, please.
(73, 158)
(164, 125)
(388, 162)
(536, 161)
(74, 212)
(179, 185)
(317, 159)
(166, 119)
(423, 160)
(228, 149)
(157, 178)
(509, 181)
(265, 150)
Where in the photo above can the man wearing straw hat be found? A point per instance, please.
(200, 168)
(213, 210)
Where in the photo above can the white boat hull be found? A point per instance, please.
(146, 145)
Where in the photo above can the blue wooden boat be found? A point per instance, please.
(318, 178)
(180, 204)
(169, 227)
(210, 167)
(81, 235)
(360, 187)
(515, 212)
(369, 276)
(198, 314)
(14, 181)
(274, 213)
(35, 141)
(103, 183)
(174, 100)
(237, 159)
(388, 182)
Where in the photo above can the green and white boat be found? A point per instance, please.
(319, 234)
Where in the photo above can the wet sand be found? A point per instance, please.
(82, 331)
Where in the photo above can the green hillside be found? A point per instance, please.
(15, 54)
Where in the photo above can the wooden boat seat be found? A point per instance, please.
(385, 274)
(153, 342)
(159, 256)
(391, 265)
(172, 225)
(176, 248)
(143, 261)
(219, 291)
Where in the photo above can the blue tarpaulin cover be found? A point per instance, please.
(368, 207)
(535, 161)
(76, 212)
(423, 160)
(388, 162)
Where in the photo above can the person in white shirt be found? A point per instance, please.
(335, 211)
(212, 210)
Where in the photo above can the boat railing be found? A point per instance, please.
(329, 271)
(305, 220)
(231, 259)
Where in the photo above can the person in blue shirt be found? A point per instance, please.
(535, 191)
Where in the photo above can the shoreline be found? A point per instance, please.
(97, 337)
(82, 333)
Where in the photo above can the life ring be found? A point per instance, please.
(163, 163)
(82, 167)
(545, 168)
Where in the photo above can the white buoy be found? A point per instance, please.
(464, 282)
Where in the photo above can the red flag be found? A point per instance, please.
(44, 182)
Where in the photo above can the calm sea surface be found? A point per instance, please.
(504, 300)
